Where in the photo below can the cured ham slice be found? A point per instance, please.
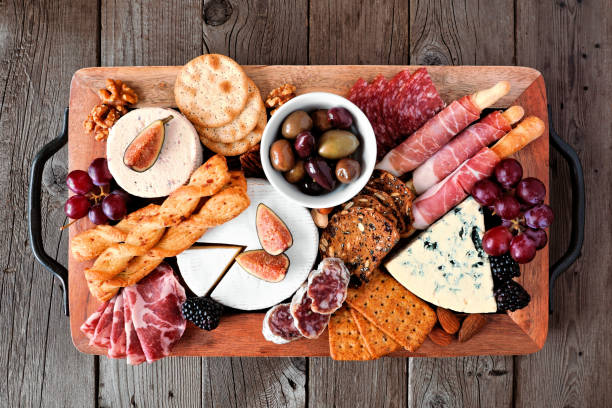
(155, 307)
(434, 134)
(117, 336)
(133, 350)
(459, 149)
(89, 327)
(101, 337)
(445, 195)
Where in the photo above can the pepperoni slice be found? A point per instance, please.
(310, 324)
(279, 326)
(327, 286)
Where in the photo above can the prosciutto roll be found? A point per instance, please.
(445, 195)
(465, 145)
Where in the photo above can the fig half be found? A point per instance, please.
(274, 236)
(262, 265)
(142, 152)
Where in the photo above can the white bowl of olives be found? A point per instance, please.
(318, 150)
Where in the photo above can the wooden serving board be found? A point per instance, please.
(520, 332)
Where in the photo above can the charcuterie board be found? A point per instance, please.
(239, 334)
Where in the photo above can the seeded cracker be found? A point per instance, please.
(397, 189)
(393, 309)
(367, 201)
(345, 342)
(378, 343)
(361, 237)
(386, 200)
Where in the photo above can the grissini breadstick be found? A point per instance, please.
(437, 131)
(524, 133)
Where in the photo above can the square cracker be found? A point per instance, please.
(393, 309)
(378, 343)
(345, 342)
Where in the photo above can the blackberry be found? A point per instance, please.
(203, 312)
(511, 296)
(504, 268)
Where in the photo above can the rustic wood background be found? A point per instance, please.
(43, 43)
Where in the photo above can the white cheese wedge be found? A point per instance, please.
(444, 266)
(202, 266)
(239, 289)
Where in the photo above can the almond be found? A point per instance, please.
(325, 211)
(320, 220)
(471, 325)
(440, 337)
(448, 320)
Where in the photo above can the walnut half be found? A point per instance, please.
(115, 99)
(279, 96)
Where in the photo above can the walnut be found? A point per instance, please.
(115, 99)
(279, 96)
(250, 161)
(117, 93)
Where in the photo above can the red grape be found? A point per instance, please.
(114, 207)
(99, 172)
(496, 241)
(507, 207)
(76, 206)
(508, 172)
(96, 215)
(79, 182)
(486, 192)
(340, 118)
(126, 197)
(538, 236)
(522, 249)
(540, 216)
(531, 191)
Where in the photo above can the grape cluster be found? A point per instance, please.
(93, 196)
(519, 202)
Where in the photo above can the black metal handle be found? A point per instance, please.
(34, 216)
(578, 208)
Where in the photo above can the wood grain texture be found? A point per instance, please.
(149, 33)
(574, 64)
(257, 31)
(380, 383)
(246, 327)
(41, 44)
(337, 32)
(462, 34)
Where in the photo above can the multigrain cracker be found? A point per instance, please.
(368, 201)
(388, 201)
(345, 342)
(399, 192)
(393, 309)
(378, 343)
(240, 127)
(361, 237)
(211, 90)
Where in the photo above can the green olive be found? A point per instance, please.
(281, 155)
(295, 123)
(336, 144)
(296, 173)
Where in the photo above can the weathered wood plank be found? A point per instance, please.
(40, 47)
(254, 382)
(161, 33)
(380, 383)
(257, 31)
(571, 43)
(463, 34)
(348, 32)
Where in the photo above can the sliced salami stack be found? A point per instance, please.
(143, 322)
(398, 107)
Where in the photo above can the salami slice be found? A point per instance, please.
(327, 286)
(279, 326)
(310, 324)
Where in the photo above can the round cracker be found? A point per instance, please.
(239, 146)
(211, 90)
(245, 122)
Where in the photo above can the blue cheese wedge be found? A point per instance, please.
(446, 265)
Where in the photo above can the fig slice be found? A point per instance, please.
(274, 236)
(142, 152)
(262, 265)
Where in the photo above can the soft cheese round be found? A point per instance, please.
(180, 155)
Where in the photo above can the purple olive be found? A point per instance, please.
(310, 187)
(340, 118)
(319, 170)
(304, 144)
